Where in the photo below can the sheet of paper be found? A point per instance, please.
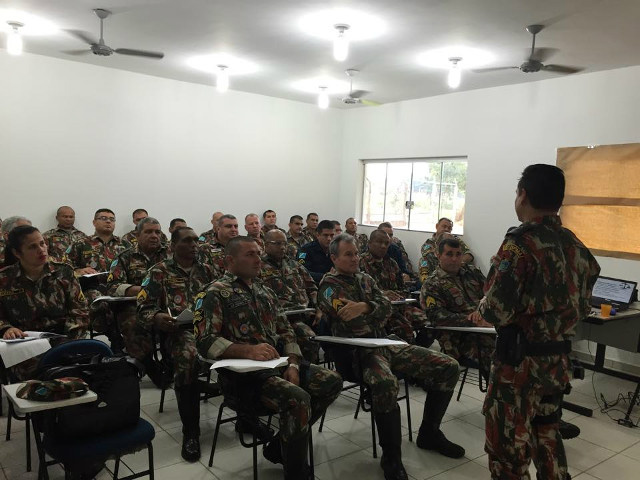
(406, 301)
(361, 342)
(90, 275)
(185, 317)
(14, 353)
(106, 298)
(33, 334)
(243, 365)
(299, 311)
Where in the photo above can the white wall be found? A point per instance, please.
(500, 130)
(92, 137)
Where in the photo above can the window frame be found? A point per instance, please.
(411, 160)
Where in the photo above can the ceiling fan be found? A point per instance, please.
(355, 96)
(102, 49)
(536, 58)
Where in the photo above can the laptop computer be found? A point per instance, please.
(619, 293)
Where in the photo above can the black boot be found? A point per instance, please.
(568, 430)
(430, 437)
(188, 398)
(156, 373)
(294, 455)
(390, 440)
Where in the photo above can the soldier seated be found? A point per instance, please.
(210, 235)
(64, 235)
(384, 270)
(37, 294)
(309, 231)
(294, 288)
(238, 317)
(213, 254)
(429, 249)
(168, 289)
(351, 227)
(356, 307)
(295, 238)
(9, 224)
(451, 296)
(137, 215)
(398, 252)
(314, 256)
(253, 228)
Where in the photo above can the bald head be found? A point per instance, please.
(66, 217)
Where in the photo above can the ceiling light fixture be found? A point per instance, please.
(455, 74)
(14, 39)
(323, 98)
(341, 42)
(222, 78)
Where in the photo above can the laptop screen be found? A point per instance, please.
(613, 289)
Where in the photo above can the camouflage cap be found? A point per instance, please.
(52, 390)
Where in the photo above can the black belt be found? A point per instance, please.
(547, 348)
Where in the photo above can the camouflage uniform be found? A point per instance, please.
(362, 242)
(229, 312)
(93, 252)
(2, 247)
(386, 272)
(167, 287)
(295, 244)
(308, 235)
(405, 256)
(127, 270)
(58, 240)
(213, 255)
(540, 280)
(132, 239)
(260, 241)
(448, 300)
(429, 256)
(208, 237)
(295, 289)
(379, 365)
(53, 303)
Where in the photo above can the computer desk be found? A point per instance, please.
(620, 331)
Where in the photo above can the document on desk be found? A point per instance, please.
(14, 352)
(106, 298)
(244, 365)
(299, 311)
(360, 342)
(404, 301)
(91, 275)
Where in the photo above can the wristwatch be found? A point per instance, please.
(295, 365)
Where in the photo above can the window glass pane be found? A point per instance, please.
(373, 193)
(425, 195)
(398, 193)
(454, 186)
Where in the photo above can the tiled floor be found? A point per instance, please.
(604, 450)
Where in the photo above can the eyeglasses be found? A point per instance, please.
(107, 219)
(277, 244)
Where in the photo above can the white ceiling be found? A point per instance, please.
(594, 34)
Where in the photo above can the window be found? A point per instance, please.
(414, 194)
(602, 197)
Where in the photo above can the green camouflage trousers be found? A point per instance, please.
(181, 347)
(300, 406)
(137, 340)
(308, 347)
(435, 370)
(520, 426)
(468, 345)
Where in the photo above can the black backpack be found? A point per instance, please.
(116, 381)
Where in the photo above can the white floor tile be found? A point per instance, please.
(236, 464)
(605, 433)
(166, 451)
(422, 464)
(357, 465)
(468, 471)
(619, 467)
(190, 471)
(470, 437)
(582, 455)
(633, 451)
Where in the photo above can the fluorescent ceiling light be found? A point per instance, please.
(323, 98)
(235, 65)
(311, 85)
(33, 25)
(362, 26)
(455, 74)
(473, 57)
(14, 39)
(222, 78)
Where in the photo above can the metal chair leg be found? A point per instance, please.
(161, 408)
(215, 434)
(406, 397)
(464, 379)
(255, 455)
(151, 467)
(116, 468)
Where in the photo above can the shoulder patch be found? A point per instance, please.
(504, 265)
(225, 293)
(430, 302)
(328, 292)
(114, 263)
(146, 281)
(337, 304)
(512, 247)
(142, 295)
(423, 263)
(302, 255)
(68, 250)
(199, 301)
(201, 238)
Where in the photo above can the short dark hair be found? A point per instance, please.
(445, 218)
(175, 235)
(225, 217)
(544, 185)
(451, 242)
(384, 225)
(336, 223)
(295, 217)
(139, 210)
(100, 210)
(325, 225)
(233, 245)
(264, 215)
(312, 213)
(15, 241)
(378, 233)
(176, 220)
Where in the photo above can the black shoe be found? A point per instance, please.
(191, 448)
(210, 389)
(440, 444)
(272, 451)
(393, 468)
(568, 430)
